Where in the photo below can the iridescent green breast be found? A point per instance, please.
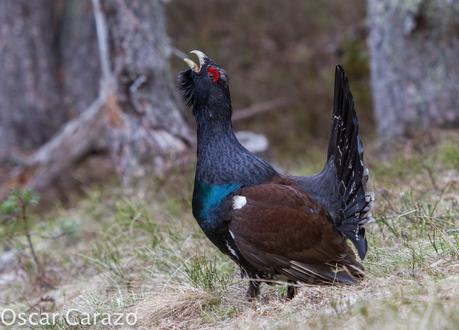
(207, 197)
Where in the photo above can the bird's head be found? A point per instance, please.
(205, 87)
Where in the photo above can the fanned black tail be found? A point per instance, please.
(346, 150)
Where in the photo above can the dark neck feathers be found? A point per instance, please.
(221, 158)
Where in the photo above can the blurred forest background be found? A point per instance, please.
(81, 82)
(92, 123)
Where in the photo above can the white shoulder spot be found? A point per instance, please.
(239, 202)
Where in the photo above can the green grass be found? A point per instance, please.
(123, 251)
(208, 274)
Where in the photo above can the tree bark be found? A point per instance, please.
(414, 48)
(79, 56)
(146, 127)
(29, 90)
(135, 114)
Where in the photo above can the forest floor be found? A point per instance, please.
(141, 251)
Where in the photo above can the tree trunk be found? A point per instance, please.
(134, 113)
(29, 88)
(414, 48)
(79, 56)
(146, 127)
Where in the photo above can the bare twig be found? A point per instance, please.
(432, 178)
(258, 108)
(25, 223)
(44, 299)
(52, 237)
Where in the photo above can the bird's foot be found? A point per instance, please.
(291, 291)
(253, 291)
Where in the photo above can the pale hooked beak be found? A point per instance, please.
(201, 57)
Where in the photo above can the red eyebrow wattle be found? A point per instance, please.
(216, 75)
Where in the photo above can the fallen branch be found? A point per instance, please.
(76, 139)
(258, 108)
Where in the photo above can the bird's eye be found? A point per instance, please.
(213, 74)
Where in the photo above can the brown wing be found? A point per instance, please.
(279, 229)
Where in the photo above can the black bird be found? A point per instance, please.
(276, 226)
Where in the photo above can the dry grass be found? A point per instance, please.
(141, 251)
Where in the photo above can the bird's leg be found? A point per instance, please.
(254, 290)
(291, 291)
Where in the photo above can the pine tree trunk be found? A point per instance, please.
(414, 49)
(146, 127)
(115, 80)
(79, 56)
(29, 90)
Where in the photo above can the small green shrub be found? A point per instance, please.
(205, 274)
(16, 223)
